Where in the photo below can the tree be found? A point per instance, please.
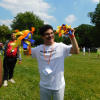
(4, 33)
(84, 35)
(24, 21)
(38, 40)
(66, 40)
(58, 39)
(95, 16)
(95, 19)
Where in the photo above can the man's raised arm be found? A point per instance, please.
(75, 48)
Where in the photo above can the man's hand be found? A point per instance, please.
(72, 30)
(19, 62)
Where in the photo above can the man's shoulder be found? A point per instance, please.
(62, 45)
(39, 46)
(59, 44)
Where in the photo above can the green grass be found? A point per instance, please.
(82, 77)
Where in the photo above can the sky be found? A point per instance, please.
(53, 12)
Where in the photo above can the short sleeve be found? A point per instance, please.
(66, 49)
(33, 53)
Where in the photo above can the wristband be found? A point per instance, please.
(72, 36)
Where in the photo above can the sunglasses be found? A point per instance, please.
(48, 34)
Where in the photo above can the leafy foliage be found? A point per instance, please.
(24, 21)
(95, 16)
(66, 40)
(58, 39)
(38, 40)
(83, 35)
(86, 35)
(4, 33)
(95, 19)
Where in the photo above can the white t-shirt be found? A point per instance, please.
(55, 79)
(83, 49)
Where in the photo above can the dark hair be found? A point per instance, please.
(44, 28)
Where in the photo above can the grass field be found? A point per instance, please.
(82, 77)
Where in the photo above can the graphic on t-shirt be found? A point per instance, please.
(47, 51)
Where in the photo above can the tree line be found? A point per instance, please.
(86, 35)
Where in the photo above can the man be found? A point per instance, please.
(50, 57)
(1, 74)
(10, 58)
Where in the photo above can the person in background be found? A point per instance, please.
(10, 58)
(98, 52)
(50, 57)
(84, 51)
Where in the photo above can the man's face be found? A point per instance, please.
(13, 37)
(48, 37)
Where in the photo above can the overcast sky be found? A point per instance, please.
(53, 12)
